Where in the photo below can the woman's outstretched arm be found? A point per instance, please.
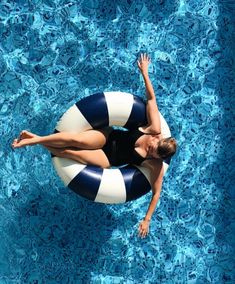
(154, 124)
(156, 176)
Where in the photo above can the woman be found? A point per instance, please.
(108, 147)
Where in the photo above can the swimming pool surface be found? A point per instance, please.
(53, 53)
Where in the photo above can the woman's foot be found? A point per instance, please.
(26, 134)
(19, 143)
(24, 139)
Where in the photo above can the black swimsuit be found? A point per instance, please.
(120, 148)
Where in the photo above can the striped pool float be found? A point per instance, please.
(114, 185)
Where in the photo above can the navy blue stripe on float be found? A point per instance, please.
(167, 160)
(87, 182)
(95, 110)
(136, 183)
(138, 114)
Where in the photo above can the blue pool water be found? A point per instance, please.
(53, 53)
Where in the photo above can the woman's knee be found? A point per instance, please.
(94, 157)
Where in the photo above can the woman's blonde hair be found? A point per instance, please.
(166, 147)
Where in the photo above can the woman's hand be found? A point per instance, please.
(144, 228)
(143, 63)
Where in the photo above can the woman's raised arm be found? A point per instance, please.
(154, 124)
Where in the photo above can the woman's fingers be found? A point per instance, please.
(147, 58)
(143, 62)
(140, 230)
(143, 232)
(144, 57)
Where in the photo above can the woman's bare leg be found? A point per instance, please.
(86, 157)
(90, 139)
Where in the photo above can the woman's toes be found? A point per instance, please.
(14, 144)
(18, 143)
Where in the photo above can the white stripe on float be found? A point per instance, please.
(165, 167)
(67, 169)
(119, 107)
(112, 187)
(165, 130)
(73, 121)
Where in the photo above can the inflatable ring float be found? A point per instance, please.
(114, 185)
